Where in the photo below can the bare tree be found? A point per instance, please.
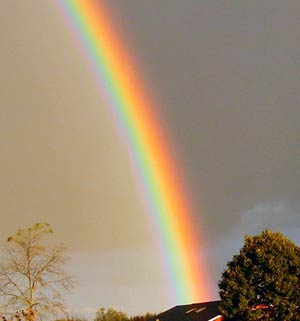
(32, 276)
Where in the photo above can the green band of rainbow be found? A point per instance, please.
(121, 87)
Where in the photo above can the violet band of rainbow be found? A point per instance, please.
(121, 87)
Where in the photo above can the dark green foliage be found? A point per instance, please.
(113, 315)
(263, 281)
(72, 317)
(142, 317)
(110, 315)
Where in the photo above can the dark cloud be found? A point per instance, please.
(228, 76)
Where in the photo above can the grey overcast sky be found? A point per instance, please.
(227, 74)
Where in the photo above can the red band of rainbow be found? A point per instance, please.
(121, 87)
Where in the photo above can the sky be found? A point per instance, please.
(227, 78)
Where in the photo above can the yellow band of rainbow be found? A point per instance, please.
(121, 86)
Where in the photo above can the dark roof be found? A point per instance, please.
(191, 312)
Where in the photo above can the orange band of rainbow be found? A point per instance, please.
(121, 86)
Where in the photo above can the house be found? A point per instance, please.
(207, 311)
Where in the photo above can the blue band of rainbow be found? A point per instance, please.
(121, 87)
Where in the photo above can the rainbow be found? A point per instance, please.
(121, 87)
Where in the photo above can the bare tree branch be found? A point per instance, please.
(32, 276)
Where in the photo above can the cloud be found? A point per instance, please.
(89, 310)
(117, 268)
(276, 217)
(116, 279)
